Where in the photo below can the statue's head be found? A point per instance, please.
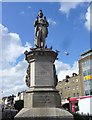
(40, 14)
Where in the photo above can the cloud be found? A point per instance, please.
(88, 17)
(12, 71)
(11, 45)
(25, 12)
(67, 5)
(13, 79)
(29, 7)
(52, 22)
(64, 69)
(22, 12)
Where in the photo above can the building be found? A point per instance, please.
(71, 87)
(79, 85)
(85, 71)
(19, 96)
(9, 101)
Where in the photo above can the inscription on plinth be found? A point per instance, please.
(44, 74)
(43, 99)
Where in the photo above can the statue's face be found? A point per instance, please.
(40, 14)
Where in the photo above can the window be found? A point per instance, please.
(73, 94)
(77, 87)
(91, 64)
(73, 87)
(65, 83)
(69, 95)
(77, 94)
(88, 63)
(73, 81)
(91, 92)
(86, 92)
(68, 88)
(76, 80)
(91, 71)
(85, 73)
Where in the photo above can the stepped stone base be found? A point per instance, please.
(43, 114)
(42, 97)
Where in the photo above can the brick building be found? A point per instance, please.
(70, 88)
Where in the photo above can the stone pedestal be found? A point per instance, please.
(42, 101)
(43, 114)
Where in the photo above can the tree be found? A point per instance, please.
(19, 104)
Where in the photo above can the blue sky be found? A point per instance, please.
(68, 33)
(69, 30)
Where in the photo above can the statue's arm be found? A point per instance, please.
(35, 23)
(47, 24)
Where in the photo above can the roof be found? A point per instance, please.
(88, 51)
(83, 97)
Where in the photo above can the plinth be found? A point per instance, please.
(42, 100)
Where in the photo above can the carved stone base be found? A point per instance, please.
(43, 114)
(42, 104)
(42, 97)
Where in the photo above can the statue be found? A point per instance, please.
(41, 30)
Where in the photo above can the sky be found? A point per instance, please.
(69, 30)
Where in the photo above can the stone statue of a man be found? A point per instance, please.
(41, 30)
